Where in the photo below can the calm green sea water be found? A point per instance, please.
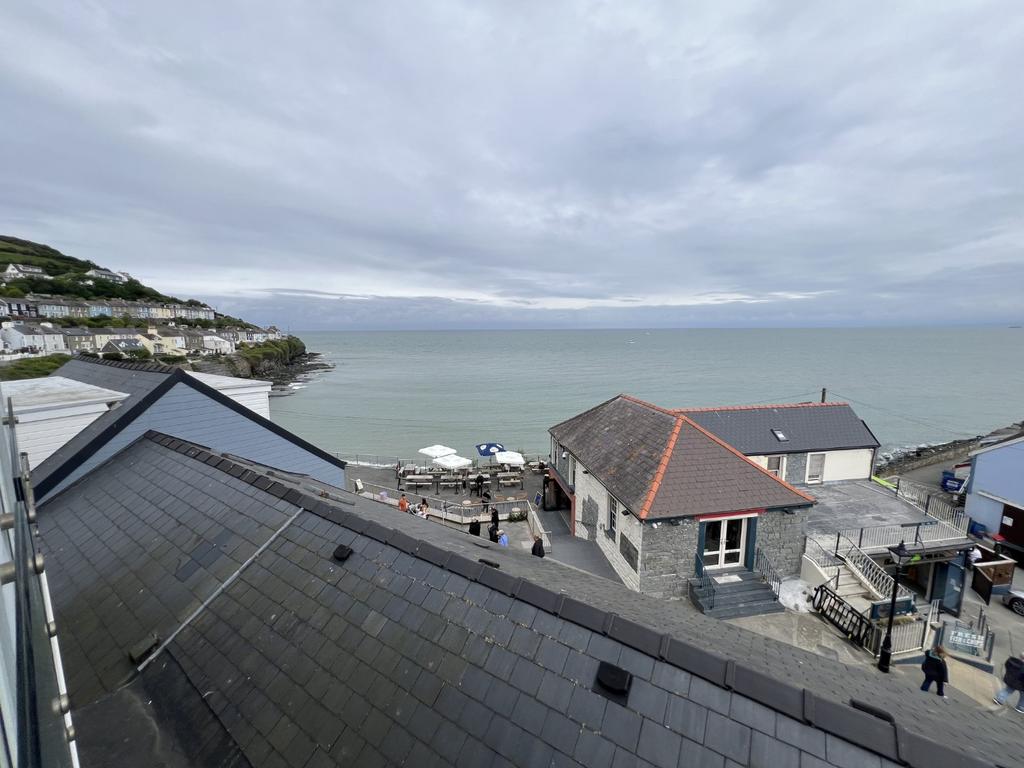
(395, 392)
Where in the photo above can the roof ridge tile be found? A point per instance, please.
(708, 409)
(659, 474)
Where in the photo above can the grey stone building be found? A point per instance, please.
(666, 500)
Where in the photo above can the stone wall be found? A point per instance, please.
(781, 536)
(667, 558)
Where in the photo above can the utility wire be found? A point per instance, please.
(920, 422)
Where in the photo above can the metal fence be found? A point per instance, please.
(932, 505)
(458, 512)
(766, 568)
(702, 586)
(907, 637)
(385, 461)
(38, 732)
(865, 569)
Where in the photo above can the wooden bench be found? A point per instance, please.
(449, 482)
(510, 479)
(416, 481)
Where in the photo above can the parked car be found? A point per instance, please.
(1014, 600)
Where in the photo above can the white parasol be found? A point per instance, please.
(437, 451)
(451, 461)
(513, 458)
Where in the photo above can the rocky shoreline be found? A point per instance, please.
(904, 460)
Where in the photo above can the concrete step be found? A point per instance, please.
(743, 596)
(759, 608)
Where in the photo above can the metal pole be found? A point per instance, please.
(885, 656)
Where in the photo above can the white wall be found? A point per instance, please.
(42, 433)
(587, 485)
(839, 465)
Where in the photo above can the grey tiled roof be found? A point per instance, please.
(809, 427)
(661, 465)
(413, 651)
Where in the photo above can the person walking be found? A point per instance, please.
(935, 671)
(1013, 680)
(538, 546)
(492, 532)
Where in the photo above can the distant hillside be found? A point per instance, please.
(68, 275)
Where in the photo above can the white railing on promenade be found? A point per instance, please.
(927, 501)
(452, 508)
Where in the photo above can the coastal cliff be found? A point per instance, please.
(279, 361)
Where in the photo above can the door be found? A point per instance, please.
(949, 585)
(724, 542)
(815, 467)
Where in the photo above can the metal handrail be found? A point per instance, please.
(703, 584)
(819, 555)
(867, 570)
(842, 615)
(766, 568)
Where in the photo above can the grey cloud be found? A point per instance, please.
(444, 157)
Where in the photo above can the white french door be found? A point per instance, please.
(725, 542)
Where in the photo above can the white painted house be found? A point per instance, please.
(16, 271)
(52, 410)
(801, 443)
(43, 337)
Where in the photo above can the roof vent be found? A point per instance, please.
(613, 682)
(342, 553)
(780, 435)
(489, 563)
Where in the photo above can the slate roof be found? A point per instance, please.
(415, 651)
(661, 464)
(145, 382)
(809, 427)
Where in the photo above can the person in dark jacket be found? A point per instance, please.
(538, 546)
(474, 528)
(494, 517)
(1013, 680)
(492, 532)
(934, 668)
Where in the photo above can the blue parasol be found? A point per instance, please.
(489, 449)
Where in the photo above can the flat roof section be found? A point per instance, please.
(56, 392)
(858, 504)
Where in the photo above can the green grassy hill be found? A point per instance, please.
(68, 275)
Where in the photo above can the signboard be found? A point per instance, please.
(880, 609)
(965, 641)
(1008, 522)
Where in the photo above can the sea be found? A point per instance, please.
(392, 393)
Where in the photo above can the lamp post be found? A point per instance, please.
(885, 655)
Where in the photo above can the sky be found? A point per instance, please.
(326, 165)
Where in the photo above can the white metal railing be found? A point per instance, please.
(867, 571)
(924, 498)
(907, 637)
(452, 508)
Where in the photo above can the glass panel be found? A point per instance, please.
(815, 465)
(731, 558)
(712, 537)
(711, 560)
(733, 533)
(775, 465)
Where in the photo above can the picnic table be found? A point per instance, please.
(448, 481)
(415, 481)
(511, 478)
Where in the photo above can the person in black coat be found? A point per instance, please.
(1013, 680)
(934, 668)
(494, 517)
(538, 546)
(492, 532)
(474, 528)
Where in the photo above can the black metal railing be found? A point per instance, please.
(842, 615)
(41, 730)
(767, 570)
(702, 586)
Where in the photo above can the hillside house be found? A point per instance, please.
(21, 271)
(42, 337)
(126, 347)
(106, 274)
(79, 340)
(802, 443)
(20, 308)
(666, 500)
(56, 307)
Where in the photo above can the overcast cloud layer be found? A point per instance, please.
(450, 164)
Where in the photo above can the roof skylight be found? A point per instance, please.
(780, 435)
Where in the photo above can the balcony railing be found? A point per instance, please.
(38, 732)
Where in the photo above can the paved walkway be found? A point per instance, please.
(570, 550)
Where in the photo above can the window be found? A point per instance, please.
(815, 467)
(780, 435)
(613, 514)
(777, 466)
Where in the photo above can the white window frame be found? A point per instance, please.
(722, 550)
(807, 472)
(782, 465)
(613, 513)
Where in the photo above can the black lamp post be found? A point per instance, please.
(885, 655)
